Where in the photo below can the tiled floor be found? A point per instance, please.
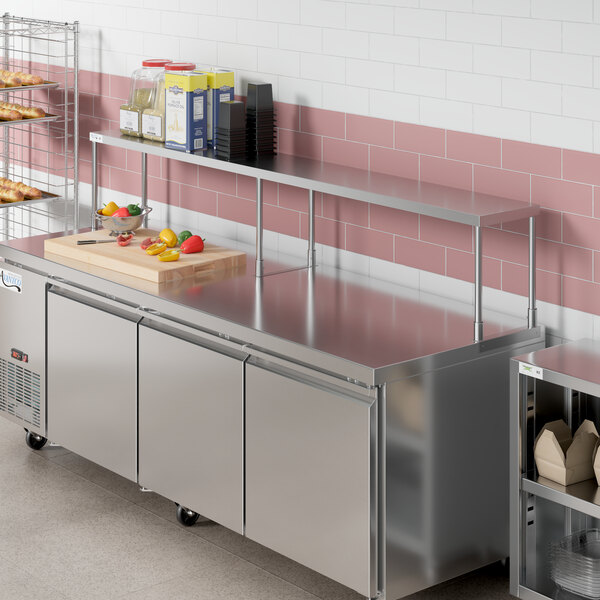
(72, 530)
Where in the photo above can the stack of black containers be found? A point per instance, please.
(231, 131)
(260, 120)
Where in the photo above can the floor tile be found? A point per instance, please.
(70, 529)
(15, 584)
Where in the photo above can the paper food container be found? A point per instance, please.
(562, 458)
(597, 468)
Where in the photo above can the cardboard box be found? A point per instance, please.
(562, 458)
(220, 89)
(185, 110)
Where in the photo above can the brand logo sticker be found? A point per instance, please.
(530, 370)
(11, 281)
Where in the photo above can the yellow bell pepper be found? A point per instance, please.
(169, 237)
(109, 209)
(156, 248)
(169, 255)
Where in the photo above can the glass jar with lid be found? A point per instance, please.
(140, 95)
(153, 118)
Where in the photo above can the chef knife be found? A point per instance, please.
(86, 242)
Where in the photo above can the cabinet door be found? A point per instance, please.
(92, 401)
(191, 426)
(310, 485)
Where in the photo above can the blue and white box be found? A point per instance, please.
(185, 110)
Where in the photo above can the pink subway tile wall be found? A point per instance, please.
(561, 181)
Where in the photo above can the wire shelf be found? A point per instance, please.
(42, 152)
(47, 85)
(30, 121)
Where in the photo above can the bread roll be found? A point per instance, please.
(29, 79)
(7, 195)
(29, 112)
(2, 84)
(26, 190)
(11, 81)
(9, 115)
(20, 77)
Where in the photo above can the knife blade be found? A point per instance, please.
(86, 242)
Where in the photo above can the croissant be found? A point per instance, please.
(30, 112)
(9, 115)
(26, 190)
(7, 195)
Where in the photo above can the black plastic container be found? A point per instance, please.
(231, 115)
(260, 96)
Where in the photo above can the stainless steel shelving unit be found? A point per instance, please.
(450, 204)
(41, 152)
(562, 382)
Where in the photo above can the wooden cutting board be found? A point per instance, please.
(132, 260)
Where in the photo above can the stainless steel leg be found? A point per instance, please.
(76, 122)
(478, 325)
(258, 290)
(94, 184)
(144, 199)
(310, 306)
(259, 227)
(311, 229)
(532, 312)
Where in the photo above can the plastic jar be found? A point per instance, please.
(153, 118)
(140, 95)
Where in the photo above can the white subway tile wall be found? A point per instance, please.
(521, 69)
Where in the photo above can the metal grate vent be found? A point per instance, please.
(20, 392)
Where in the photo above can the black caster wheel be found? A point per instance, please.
(186, 516)
(35, 441)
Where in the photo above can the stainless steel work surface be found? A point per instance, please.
(579, 361)
(451, 204)
(358, 319)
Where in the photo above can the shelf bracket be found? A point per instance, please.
(311, 230)
(532, 311)
(259, 227)
(478, 320)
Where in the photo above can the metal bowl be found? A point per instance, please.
(118, 225)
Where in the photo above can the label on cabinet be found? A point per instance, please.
(12, 282)
(525, 369)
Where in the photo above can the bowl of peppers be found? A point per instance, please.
(124, 219)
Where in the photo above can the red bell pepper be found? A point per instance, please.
(122, 212)
(124, 240)
(193, 244)
(148, 242)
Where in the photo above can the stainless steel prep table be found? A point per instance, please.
(349, 424)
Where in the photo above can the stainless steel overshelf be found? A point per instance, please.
(450, 204)
(583, 497)
(442, 202)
